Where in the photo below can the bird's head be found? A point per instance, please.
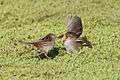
(49, 37)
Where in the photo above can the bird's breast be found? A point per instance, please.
(70, 46)
(68, 42)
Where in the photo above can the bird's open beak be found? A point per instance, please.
(60, 36)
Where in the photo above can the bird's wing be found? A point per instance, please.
(46, 38)
(74, 24)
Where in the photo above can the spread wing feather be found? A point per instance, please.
(74, 25)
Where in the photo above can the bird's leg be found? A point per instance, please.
(44, 53)
(46, 56)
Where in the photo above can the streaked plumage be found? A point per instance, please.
(43, 45)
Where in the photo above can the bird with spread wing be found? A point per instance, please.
(71, 37)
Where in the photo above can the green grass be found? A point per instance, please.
(30, 19)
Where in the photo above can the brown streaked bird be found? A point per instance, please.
(43, 45)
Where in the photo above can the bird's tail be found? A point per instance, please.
(84, 43)
(27, 43)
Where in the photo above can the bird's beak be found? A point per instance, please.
(64, 37)
(60, 36)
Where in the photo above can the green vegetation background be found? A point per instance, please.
(30, 19)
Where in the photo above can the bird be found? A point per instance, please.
(70, 38)
(43, 45)
(71, 43)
